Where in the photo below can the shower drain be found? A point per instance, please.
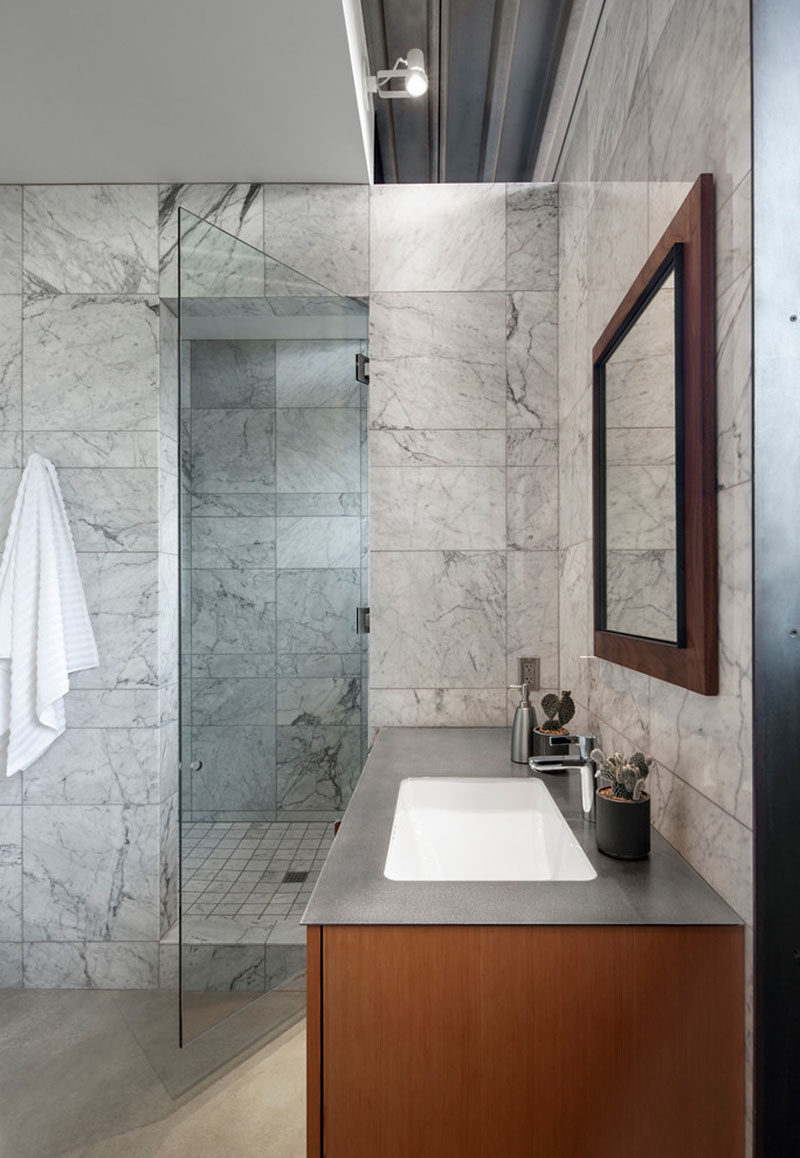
(294, 878)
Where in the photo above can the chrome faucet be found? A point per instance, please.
(583, 761)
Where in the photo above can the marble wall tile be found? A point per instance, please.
(229, 506)
(168, 759)
(11, 361)
(319, 701)
(437, 707)
(641, 506)
(91, 239)
(318, 450)
(437, 360)
(576, 618)
(532, 508)
(117, 709)
(317, 609)
(317, 373)
(90, 965)
(231, 700)
(90, 873)
(614, 75)
(9, 484)
(575, 476)
(320, 665)
(98, 448)
(76, 378)
(642, 591)
(233, 451)
(99, 765)
(734, 561)
(533, 612)
(437, 448)
(417, 237)
(215, 264)
(531, 237)
(343, 503)
(620, 697)
(437, 508)
(318, 767)
(223, 969)
(232, 374)
(111, 510)
(439, 619)
(10, 964)
(532, 359)
(121, 593)
(10, 872)
(231, 666)
(532, 447)
(734, 383)
(10, 449)
(168, 869)
(169, 358)
(658, 12)
(10, 239)
(240, 543)
(322, 231)
(233, 611)
(318, 542)
(701, 76)
(238, 772)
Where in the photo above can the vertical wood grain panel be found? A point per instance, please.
(551, 1042)
(314, 1043)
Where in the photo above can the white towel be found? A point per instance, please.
(45, 631)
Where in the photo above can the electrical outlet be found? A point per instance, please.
(529, 672)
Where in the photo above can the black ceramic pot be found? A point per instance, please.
(623, 827)
(543, 747)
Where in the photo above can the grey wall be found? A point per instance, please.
(666, 96)
(81, 272)
(463, 448)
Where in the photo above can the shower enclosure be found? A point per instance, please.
(272, 574)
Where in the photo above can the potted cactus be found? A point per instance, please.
(623, 805)
(558, 711)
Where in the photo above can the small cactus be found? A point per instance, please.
(559, 712)
(625, 777)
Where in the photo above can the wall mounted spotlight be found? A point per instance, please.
(413, 73)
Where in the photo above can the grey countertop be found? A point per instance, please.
(352, 890)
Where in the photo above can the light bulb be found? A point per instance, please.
(416, 80)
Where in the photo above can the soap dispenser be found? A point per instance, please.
(522, 727)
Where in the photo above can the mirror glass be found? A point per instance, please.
(641, 510)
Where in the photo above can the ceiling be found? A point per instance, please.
(179, 90)
(491, 65)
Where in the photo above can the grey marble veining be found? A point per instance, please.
(90, 873)
(110, 509)
(316, 610)
(614, 73)
(439, 619)
(10, 239)
(640, 507)
(76, 378)
(10, 872)
(417, 237)
(238, 771)
(95, 448)
(233, 701)
(318, 450)
(232, 374)
(10, 964)
(532, 359)
(233, 611)
(319, 700)
(532, 447)
(532, 508)
(233, 451)
(214, 264)
(96, 766)
(437, 508)
(437, 361)
(322, 231)
(437, 448)
(318, 542)
(662, 890)
(318, 767)
(320, 665)
(116, 709)
(233, 505)
(90, 965)
(11, 361)
(241, 542)
(531, 237)
(223, 969)
(532, 612)
(91, 239)
(437, 707)
(317, 373)
(121, 593)
(168, 867)
(642, 592)
(319, 504)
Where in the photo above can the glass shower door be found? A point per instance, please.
(273, 538)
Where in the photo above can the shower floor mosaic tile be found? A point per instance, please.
(249, 870)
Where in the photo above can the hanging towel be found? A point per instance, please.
(45, 631)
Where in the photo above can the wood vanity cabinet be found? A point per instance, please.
(525, 1042)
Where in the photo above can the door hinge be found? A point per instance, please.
(362, 621)
(362, 369)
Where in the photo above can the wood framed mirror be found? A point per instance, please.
(654, 468)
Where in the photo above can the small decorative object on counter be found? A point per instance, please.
(623, 806)
(558, 713)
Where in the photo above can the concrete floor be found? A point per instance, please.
(98, 1075)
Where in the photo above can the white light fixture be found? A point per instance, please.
(412, 72)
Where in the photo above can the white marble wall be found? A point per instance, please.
(665, 97)
(463, 448)
(86, 892)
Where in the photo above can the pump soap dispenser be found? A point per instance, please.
(522, 727)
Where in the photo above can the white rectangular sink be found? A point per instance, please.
(482, 829)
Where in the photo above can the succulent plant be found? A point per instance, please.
(626, 777)
(559, 712)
